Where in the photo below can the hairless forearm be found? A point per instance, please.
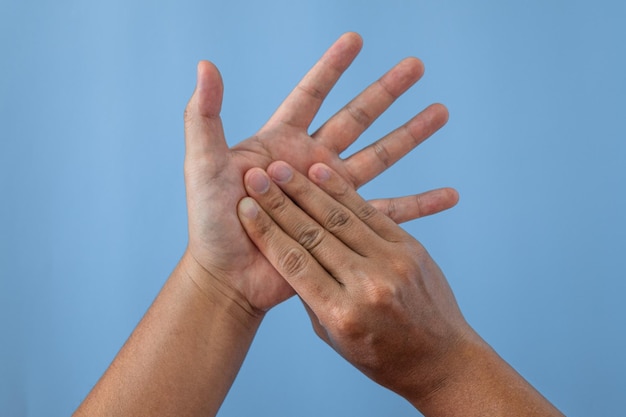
(183, 356)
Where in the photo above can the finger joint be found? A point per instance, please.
(381, 152)
(312, 91)
(310, 237)
(293, 262)
(337, 219)
(360, 116)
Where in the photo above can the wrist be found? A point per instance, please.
(425, 377)
(212, 287)
(184, 354)
(475, 381)
(453, 369)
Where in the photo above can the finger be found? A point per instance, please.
(340, 190)
(403, 209)
(334, 218)
(302, 104)
(204, 134)
(293, 262)
(377, 157)
(321, 225)
(348, 124)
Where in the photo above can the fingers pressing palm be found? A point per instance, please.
(214, 172)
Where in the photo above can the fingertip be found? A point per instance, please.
(441, 199)
(280, 171)
(248, 208)
(432, 202)
(206, 68)
(319, 172)
(402, 76)
(204, 134)
(201, 69)
(201, 66)
(209, 89)
(257, 181)
(442, 112)
(354, 38)
(453, 196)
(414, 65)
(346, 48)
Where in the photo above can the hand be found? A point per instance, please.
(213, 172)
(186, 351)
(372, 291)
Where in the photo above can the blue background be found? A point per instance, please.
(92, 205)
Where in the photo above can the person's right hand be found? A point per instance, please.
(376, 296)
(373, 292)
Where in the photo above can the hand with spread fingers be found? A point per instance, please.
(376, 296)
(185, 353)
(213, 172)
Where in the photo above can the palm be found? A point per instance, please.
(214, 172)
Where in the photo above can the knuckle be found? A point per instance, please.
(407, 269)
(359, 115)
(381, 152)
(419, 207)
(309, 237)
(277, 203)
(366, 211)
(416, 132)
(342, 190)
(392, 209)
(347, 323)
(337, 219)
(312, 90)
(293, 262)
(300, 189)
(265, 228)
(381, 295)
(382, 82)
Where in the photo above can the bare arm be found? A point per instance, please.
(377, 297)
(183, 356)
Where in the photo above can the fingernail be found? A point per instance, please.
(259, 182)
(248, 208)
(281, 173)
(321, 173)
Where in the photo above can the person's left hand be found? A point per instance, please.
(214, 172)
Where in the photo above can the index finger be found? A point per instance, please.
(302, 104)
(313, 283)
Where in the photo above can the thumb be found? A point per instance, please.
(204, 133)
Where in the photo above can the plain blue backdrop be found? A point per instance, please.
(92, 204)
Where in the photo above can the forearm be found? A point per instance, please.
(481, 383)
(377, 297)
(183, 356)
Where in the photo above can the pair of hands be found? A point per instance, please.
(372, 291)
(279, 214)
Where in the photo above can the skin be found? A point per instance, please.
(185, 353)
(376, 296)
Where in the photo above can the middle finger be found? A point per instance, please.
(334, 223)
(347, 125)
